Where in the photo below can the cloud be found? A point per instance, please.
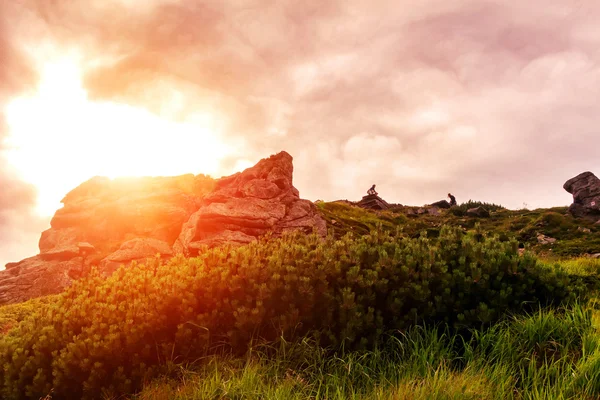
(492, 101)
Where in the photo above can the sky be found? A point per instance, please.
(490, 100)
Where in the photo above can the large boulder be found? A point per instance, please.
(249, 204)
(109, 223)
(585, 189)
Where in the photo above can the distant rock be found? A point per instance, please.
(373, 202)
(543, 239)
(441, 204)
(584, 230)
(479, 212)
(585, 189)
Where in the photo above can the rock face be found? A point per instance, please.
(249, 204)
(585, 189)
(373, 202)
(112, 222)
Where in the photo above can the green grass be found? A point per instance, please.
(11, 315)
(523, 225)
(552, 353)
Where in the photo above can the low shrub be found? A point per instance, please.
(460, 210)
(111, 335)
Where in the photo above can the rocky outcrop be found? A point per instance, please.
(35, 277)
(249, 204)
(373, 202)
(585, 189)
(113, 222)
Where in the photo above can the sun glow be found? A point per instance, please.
(59, 138)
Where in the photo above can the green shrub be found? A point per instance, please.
(460, 210)
(111, 335)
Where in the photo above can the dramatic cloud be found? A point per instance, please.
(490, 100)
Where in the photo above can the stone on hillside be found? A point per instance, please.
(597, 255)
(441, 204)
(543, 239)
(373, 202)
(433, 211)
(479, 212)
(249, 204)
(584, 230)
(585, 189)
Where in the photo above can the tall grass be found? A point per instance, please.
(549, 354)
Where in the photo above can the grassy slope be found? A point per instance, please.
(426, 364)
(552, 354)
(524, 225)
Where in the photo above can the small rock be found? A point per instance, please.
(584, 230)
(478, 212)
(85, 247)
(333, 222)
(433, 211)
(543, 239)
(597, 255)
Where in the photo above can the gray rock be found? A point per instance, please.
(543, 239)
(585, 189)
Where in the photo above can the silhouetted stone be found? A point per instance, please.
(441, 204)
(373, 202)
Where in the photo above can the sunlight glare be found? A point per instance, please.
(59, 138)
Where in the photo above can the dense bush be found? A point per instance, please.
(113, 334)
(460, 210)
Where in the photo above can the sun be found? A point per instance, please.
(59, 138)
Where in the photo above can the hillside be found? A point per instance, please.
(239, 289)
(533, 229)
